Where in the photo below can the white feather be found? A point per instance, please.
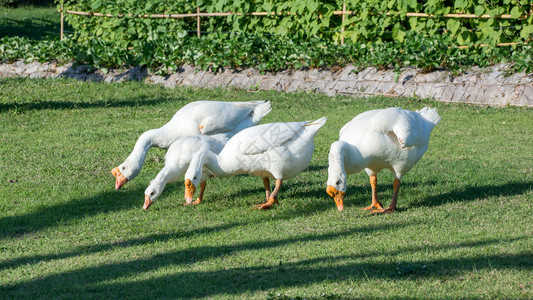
(275, 150)
(391, 138)
(201, 117)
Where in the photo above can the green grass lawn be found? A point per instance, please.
(463, 228)
(34, 22)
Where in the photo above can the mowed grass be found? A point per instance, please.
(33, 22)
(463, 228)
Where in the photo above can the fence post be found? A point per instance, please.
(343, 14)
(198, 20)
(62, 18)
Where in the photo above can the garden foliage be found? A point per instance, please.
(299, 34)
(268, 53)
(372, 21)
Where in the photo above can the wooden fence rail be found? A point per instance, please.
(342, 13)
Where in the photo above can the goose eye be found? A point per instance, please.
(338, 182)
(152, 193)
(123, 168)
(194, 178)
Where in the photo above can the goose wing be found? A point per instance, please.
(408, 128)
(259, 139)
(223, 117)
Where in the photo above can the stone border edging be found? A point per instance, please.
(489, 86)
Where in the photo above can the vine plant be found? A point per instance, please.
(371, 20)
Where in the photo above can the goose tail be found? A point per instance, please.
(430, 114)
(260, 111)
(320, 122)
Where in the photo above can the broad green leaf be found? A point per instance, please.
(526, 32)
(430, 23)
(312, 6)
(461, 4)
(301, 6)
(453, 26)
(464, 39)
(398, 32)
(219, 5)
(387, 22)
(430, 6)
(479, 10)
(516, 12)
(95, 5)
(413, 22)
(354, 36)
(282, 30)
(267, 6)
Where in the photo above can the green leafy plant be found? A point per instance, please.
(370, 20)
(267, 53)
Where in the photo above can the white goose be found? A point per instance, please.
(201, 117)
(177, 160)
(276, 150)
(391, 138)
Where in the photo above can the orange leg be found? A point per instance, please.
(375, 201)
(202, 190)
(266, 183)
(392, 205)
(273, 197)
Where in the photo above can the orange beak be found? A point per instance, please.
(189, 190)
(120, 179)
(337, 195)
(147, 202)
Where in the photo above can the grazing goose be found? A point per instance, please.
(177, 160)
(277, 150)
(391, 138)
(201, 117)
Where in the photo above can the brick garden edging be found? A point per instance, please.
(489, 86)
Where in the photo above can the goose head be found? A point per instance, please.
(193, 176)
(336, 188)
(152, 192)
(126, 172)
(336, 183)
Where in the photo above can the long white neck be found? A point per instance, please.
(211, 162)
(344, 159)
(133, 164)
(163, 177)
(143, 144)
(207, 159)
(157, 185)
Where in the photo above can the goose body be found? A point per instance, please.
(177, 160)
(391, 138)
(276, 150)
(196, 118)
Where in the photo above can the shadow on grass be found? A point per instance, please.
(13, 263)
(300, 274)
(356, 196)
(40, 104)
(108, 279)
(32, 28)
(54, 215)
(191, 255)
(471, 193)
(314, 195)
(361, 195)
